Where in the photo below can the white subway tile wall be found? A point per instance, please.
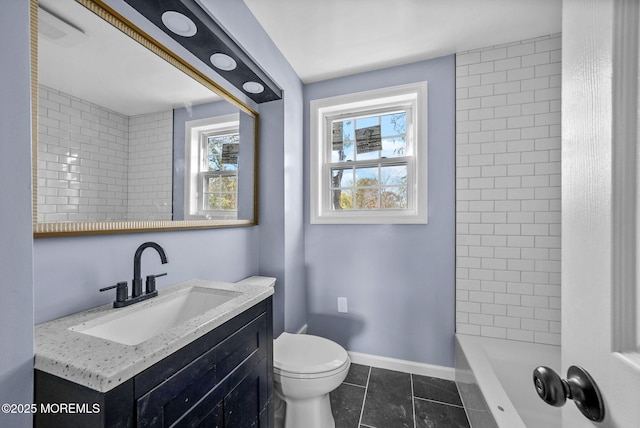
(508, 191)
(88, 167)
(150, 166)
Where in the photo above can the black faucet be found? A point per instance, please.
(122, 292)
(136, 283)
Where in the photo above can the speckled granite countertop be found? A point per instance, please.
(101, 364)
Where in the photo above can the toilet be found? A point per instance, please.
(306, 369)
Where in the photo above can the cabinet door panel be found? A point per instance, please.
(204, 415)
(244, 404)
(240, 401)
(165, 404)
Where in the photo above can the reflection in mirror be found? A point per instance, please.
(124, 136)
(213, 175)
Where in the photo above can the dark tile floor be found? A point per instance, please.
(371, 397)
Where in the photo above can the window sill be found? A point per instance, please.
(370, 217)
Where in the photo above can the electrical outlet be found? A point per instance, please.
(342, 305)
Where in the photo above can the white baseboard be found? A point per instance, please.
(441, 372)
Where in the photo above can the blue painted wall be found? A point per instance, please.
(16, 281)
(281, 168)
(399, 279)
(69, 271)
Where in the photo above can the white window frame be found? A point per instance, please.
(196, 133)
(411, 97)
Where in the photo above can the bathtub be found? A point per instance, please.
(494, 377)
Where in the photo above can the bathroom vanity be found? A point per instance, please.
(211, 369)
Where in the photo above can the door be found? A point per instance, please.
(599, 203)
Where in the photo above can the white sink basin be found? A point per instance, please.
(135, 325)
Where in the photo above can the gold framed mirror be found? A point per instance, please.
(128, 136)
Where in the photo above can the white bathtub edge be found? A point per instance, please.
(487, 381)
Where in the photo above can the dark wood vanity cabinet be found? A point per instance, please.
(223, 379)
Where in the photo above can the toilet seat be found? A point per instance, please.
(304, 356)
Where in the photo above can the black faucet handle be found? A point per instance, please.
(151, 282)
(122, 290)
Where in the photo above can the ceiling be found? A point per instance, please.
(323, 39)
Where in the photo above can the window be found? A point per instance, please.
(369, 157)
(212, 168)
(220, 175)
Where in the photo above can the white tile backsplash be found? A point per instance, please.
(508, 190)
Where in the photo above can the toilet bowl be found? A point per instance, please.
(306, 369)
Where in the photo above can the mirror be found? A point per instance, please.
(129, 136)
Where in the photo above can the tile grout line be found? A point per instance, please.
(414, 399)
(364, 399)
(444, 403)
(354, 384)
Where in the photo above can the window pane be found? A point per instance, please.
(368, 156)
(341, 177)
(349, 130)
(394, 124)
(394, 174)
(373, 187)
(229, 183)
(365, 122)
(227, 201)
(367, 198)
(221, 202)
(344, 152)
(367, 188)
(215, 203)
(342, 199)
(393, 147)
(213, 184)
(394, 197)
(214, 153)
(394, 135)
(212, 203)
(222, 153)
(368, 140)
(342, 142)
(366, 176)
(220, 193)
